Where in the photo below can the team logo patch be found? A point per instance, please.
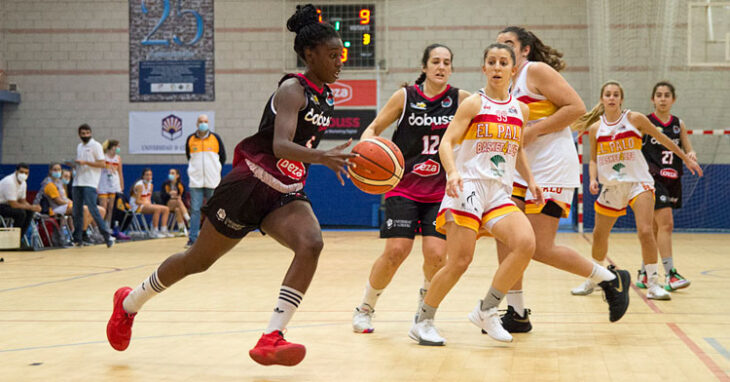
(418, 105)
(292, 169)
(669, 173)
(676, 129)
(497, 160)
(427, 168)
(447, 102)
(330, 99)
(512, 110)
(172, 127)
(221, 214)
(315, 99)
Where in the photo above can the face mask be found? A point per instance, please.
(56, 174)
(172, 177)
(145, 181)
(22, 177)
(203, 127)
(73, 173)
(65, 181)
(118, 150)
(85, 139)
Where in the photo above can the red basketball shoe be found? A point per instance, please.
(119, 328)
(273, 349)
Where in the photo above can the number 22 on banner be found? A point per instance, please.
(178, 13)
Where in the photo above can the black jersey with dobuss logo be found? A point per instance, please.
(663, 163)
(312, 121)
(418, 135)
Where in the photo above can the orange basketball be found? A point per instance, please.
(379, 166)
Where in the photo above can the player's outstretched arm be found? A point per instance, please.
(645, 126)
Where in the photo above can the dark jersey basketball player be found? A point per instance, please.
(422, 112)
(666, 169)
(264, 191)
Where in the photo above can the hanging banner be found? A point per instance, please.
(348, 123)
(171, 55)
(163, 132)
(355, 92)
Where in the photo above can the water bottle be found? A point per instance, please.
(66, 234)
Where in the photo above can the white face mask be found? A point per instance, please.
(22, 177)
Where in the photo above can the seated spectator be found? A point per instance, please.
(140, 201)
(173, 196)
(53, 191)
(12, 198)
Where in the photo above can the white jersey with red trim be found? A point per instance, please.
(489, 147)
(109, 181)
(618, 152)
(552, 158)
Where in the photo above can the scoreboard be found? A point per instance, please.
(356, 25)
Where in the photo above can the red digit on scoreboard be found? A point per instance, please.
(364, 16)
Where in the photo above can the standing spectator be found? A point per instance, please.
(206, 156)
(12, 198)
(111, 181)
(89, 162)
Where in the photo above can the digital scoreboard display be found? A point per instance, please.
(356, 25)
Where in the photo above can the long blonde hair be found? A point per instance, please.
(587, 119)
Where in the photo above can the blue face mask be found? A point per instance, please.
(203, 127)
(118, 150)
(65, 181)
(56, 174)
(145, 181)
(172, 177)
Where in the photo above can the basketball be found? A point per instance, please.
(379, 166)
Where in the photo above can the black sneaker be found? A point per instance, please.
(616, 292)
(514, 323)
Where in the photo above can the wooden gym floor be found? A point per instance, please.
(54, 306)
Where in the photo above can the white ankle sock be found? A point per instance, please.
(651, 272)
(600, 274)
(370, 297)
(287, 303)
(426, 284)
(516, 300)
(149, 288)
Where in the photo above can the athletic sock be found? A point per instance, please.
(643, 268)
(426, 312)
(492, 299)
(651, 271)
(516, 300)
(668, 265)
(286, 305)
(600, 274)
(149, 288)
(370, 298)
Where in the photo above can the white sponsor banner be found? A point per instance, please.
(163, 132)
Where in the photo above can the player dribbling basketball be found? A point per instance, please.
(264, 191)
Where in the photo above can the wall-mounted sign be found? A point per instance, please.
(171, 50)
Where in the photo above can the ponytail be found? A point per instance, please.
(586, 120)
(538, 50)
